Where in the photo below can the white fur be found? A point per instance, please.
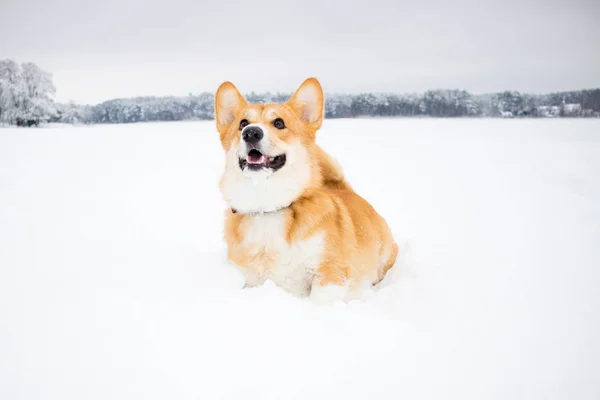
(264, 191)
(253, 114)
(296, 263)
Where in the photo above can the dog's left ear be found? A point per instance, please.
(308, 103)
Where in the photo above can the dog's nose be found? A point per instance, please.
(252, 134)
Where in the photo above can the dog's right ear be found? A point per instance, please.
(228, 103)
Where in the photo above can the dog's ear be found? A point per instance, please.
(228, 103)
(308, 103)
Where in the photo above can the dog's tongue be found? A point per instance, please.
(256, 158)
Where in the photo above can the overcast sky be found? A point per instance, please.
(118, 48)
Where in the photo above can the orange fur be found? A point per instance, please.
(357, 247)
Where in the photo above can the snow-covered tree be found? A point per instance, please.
(71, 113)
(25, 93)
(508, 102)
(11, 90)
(37, 103)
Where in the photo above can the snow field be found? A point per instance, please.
(114, 284)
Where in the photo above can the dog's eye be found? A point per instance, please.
(243, 124)
(279, 124)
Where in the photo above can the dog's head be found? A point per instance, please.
(270, 154)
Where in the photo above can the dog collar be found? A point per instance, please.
(234, 211)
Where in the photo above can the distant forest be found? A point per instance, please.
(26, 99)
(433, 103)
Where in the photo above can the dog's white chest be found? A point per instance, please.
(289, 265)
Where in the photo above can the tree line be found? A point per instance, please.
(26, 99)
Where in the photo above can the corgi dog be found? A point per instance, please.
(292, 217)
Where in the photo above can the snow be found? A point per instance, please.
(114, 285)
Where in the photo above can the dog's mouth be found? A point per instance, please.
(255, 160)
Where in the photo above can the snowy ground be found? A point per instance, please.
(113, 283)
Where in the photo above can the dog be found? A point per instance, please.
(292, 217)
